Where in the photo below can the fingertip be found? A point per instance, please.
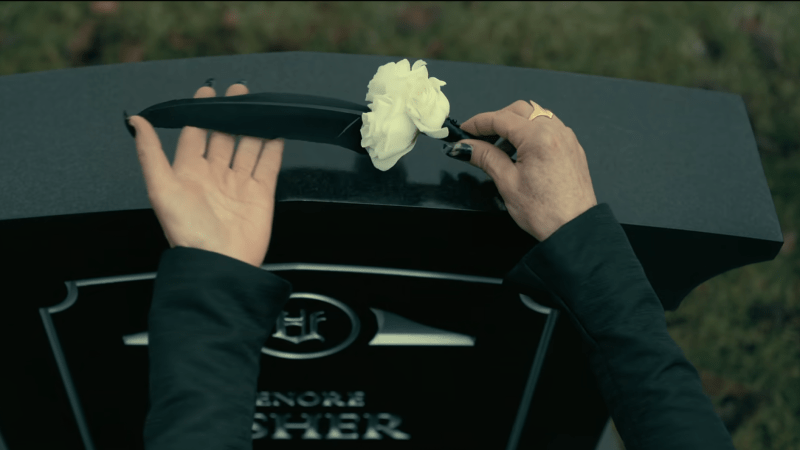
(205, 92)
(237, 89)
(137, 121)
(129, 125)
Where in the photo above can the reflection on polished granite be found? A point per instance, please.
(454, 187)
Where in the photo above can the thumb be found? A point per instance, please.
(489, 158)
(155, 165)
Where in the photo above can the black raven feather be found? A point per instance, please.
(270, 115)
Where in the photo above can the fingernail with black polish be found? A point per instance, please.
(130, 127)
(461, 152)
(209, 82)
(244, 82)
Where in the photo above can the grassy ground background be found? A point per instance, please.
(741, 330)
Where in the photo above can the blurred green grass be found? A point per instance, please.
(741, 330)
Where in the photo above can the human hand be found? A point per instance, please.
(549, 185)
(203, 202)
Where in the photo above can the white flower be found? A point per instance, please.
(405, 102)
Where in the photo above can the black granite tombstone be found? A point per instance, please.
(398, 335)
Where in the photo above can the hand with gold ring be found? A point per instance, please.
(549, 185)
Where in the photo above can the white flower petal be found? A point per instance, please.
(405, 102)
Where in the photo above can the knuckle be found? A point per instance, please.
(547, 135)
(520, 103)
(482, 158)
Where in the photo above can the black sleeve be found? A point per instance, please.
(588, 270)
(209, 319)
